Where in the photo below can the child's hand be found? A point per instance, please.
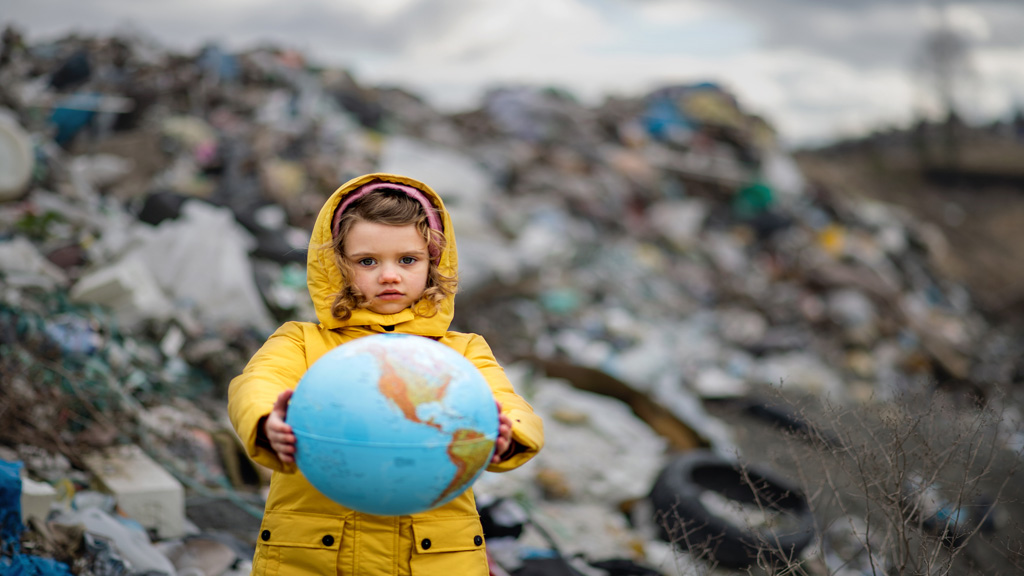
(504, 442)
(278, 432)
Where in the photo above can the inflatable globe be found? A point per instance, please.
(393, 424)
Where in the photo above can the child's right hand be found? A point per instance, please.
(278, 432)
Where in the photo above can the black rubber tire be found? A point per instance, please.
(685, 521)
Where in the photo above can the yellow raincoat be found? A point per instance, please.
(303, 532)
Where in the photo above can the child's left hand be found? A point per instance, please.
(503, 444)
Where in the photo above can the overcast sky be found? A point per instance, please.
(816, 69)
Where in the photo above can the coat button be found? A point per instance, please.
(328, 540)
(478, 540)
(425, 543)
(265, 535)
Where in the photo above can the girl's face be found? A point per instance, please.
(390, 264)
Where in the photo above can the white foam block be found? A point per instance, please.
(36, 499)
(145, 492)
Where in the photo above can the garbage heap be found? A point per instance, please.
(154, 215)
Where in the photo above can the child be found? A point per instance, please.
(382, 258)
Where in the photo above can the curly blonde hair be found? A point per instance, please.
(393, 208)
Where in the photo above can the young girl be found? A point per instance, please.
(382, 258)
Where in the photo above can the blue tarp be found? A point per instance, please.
(25, 565)
(12, 562)
(10, 504)
(72, 115)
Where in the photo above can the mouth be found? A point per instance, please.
(390, 295)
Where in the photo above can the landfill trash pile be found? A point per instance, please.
(625, 262)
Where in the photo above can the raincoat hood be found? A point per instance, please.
(324, 280)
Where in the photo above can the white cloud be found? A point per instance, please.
(527, 28)
(673, 11)
(968, 21)
(1002, 81)
(811, 98)
(378, 9)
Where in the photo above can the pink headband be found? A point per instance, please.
(433, 219)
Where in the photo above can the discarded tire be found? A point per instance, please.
(729, 513)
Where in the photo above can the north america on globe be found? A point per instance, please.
(409, 389)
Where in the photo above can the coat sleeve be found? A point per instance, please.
(527, 427)
(277, 366)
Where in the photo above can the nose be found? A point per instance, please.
(389, 274)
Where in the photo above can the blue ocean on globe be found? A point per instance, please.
(393, 424)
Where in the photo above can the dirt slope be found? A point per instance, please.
(982, 219)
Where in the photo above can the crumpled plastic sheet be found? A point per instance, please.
(104, 560)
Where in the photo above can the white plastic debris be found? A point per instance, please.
(781, 172)
(679, 221)
(464, 185)
(16, 157)
(742, 326)
(850, 308)
(644, 362)
(714, 382)
(90, 172)
(201, 260)
(604, 451)
(128, 288)
(37, 498)
(22, 265)
(144, 490)
(133, 543)
(803, 371)
(594, 530)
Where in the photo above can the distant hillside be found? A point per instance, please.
(969, 183)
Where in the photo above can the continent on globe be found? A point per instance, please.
(408, 389)
(469, 455)
(393, 424)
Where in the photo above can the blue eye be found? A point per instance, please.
(407, 260)
(367, 262)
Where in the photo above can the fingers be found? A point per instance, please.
(504, 424)
(278, 430)
(279, 433)
(504, 439)
(504, 427)
(281, 404)
(281, 438)
(500, 446)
